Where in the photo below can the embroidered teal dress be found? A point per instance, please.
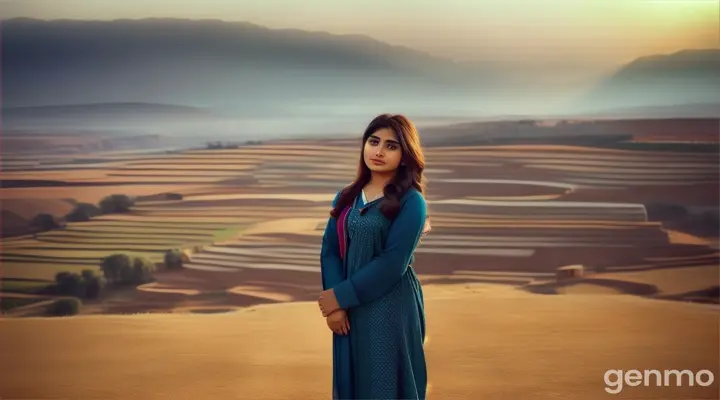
(382, 357)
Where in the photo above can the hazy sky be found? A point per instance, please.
(600, 31)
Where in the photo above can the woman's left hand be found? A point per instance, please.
(328, 302)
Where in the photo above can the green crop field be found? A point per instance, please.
(22, 286)
(83, 245)
(40, 271)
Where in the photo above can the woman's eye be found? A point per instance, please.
(392, 147)
(374, 142)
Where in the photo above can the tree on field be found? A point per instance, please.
(83, 212)
(87, 284)
(94, 287)
(63, 307)
(45, 222)
(69, 284)
(94, 284)
(120, 269)
(116, 203)
(142, 270)
(174, 259)
(115, 267)
(87, 274)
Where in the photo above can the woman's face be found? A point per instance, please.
(382, 152)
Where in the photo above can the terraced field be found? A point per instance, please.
(86, 243)
(501, 214)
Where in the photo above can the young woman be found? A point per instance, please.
(372, 298)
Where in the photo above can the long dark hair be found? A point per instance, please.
(408, 175)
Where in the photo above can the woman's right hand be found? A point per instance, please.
(338, 322)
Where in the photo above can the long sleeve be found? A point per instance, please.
(378, 277)
(331, 266)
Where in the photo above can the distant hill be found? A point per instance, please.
(101, 109)
(689, 110)
(249, 71)
(234, 65)
(687, 77)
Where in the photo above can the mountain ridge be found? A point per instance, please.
(247, 68)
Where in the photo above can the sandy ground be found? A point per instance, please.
(485, 341)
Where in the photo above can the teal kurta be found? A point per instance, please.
(383, 355)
